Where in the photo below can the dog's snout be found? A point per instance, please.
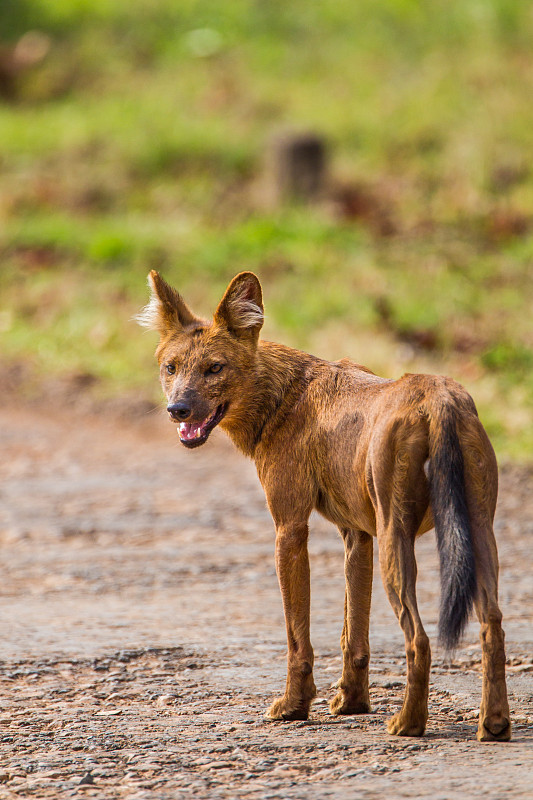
(179, 411)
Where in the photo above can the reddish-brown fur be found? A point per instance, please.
(333, 436)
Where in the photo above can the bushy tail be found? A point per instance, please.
(452, 526)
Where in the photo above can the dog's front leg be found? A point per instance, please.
(353, 696)
(292, 566)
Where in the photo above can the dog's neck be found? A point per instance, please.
(277, 383)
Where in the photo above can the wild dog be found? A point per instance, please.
(384, 459)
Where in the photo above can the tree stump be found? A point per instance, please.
(297, 167)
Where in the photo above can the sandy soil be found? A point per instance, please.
(142, 633)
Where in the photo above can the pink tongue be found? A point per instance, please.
(190, 430)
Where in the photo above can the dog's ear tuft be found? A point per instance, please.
(166, 310)
(241, 308)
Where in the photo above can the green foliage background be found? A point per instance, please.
(137, 142)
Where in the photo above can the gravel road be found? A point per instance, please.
(142, 633)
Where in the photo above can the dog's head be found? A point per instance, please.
(205, 365)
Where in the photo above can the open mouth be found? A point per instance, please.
(193, 434)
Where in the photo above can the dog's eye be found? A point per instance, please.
(171, 369)
(214, 368)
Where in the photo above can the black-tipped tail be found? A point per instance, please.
(452, 526)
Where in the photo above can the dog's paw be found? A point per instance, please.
(402, 725)
(341, 704)
(282, 709)
(494, 730)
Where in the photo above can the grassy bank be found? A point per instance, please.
(137, 141)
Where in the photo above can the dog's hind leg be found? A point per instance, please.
(398, 569)
(401, 496)
(353, 697)
(481, 487)
(494, 717)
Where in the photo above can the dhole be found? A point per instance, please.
(384, 459)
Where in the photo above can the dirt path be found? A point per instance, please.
(142, 634)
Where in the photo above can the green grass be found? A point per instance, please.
(138, 143)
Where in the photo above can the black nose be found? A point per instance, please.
(179, 411)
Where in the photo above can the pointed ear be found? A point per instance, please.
(166, 310)
(241, 308)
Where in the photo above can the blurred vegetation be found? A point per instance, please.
(132, 136)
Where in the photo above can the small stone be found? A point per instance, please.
(113, 713)
(217, 765)
(166, 699)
